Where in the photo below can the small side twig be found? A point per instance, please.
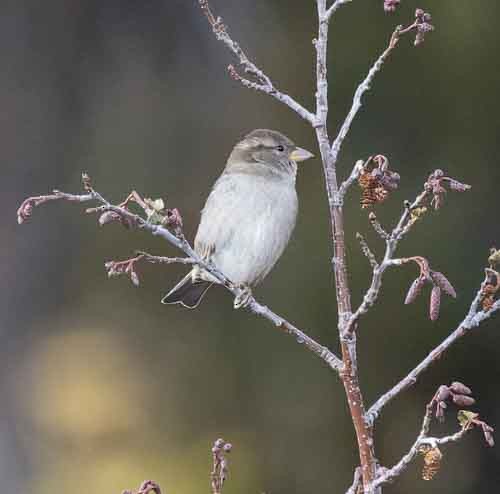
(262, 82)
(334, 7)
(367, 251)
(419, 26)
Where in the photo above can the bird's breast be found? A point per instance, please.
(247, 221)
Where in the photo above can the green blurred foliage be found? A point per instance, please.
(101, 385)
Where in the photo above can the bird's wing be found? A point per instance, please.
(217, 220)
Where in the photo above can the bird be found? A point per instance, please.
(248, 218)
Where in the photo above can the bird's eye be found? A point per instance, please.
(280, 148)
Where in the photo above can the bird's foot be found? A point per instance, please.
(243, 298)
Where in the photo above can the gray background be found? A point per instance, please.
(100, 385)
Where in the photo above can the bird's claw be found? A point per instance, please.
(243, 298)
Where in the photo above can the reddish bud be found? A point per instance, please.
(463, 401)
(443, 393)
(25, 211)
(458, 387)
(391, 5)
(458, 186)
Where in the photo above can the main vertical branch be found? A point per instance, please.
(349, 374)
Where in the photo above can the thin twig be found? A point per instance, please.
(335, 6)
(472, 320)
(365, 248)
(356, 482)
(181, 243)
(353, 177)
(360, 91)
(263, 82)
(391, 242)
(423, 439)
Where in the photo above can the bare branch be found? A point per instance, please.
(367, 251)
(360, 91)
(356, 482)
(334, 7)
(422, 440)
(262, 82)
(422, 26)
(457, 394)
(131, 219)
(353, 177)
(472, 320)
(412, 212)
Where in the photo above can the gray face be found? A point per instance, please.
(269, 148)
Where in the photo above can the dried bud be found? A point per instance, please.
(458, 387)
(391, 5)
(442, 282)
(463, 401)
(458, 186)
(173, 218)
(219, 443)
(443, 393)
(432, 463)
(25, 211)
(414, 290)
(494, 258)
(376, 181)
(149, 486)
(108, 217)
(435, 303)
(488, 436)
(86, 182)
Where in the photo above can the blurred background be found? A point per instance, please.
(100, 385)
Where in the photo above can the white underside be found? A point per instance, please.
(246, 224)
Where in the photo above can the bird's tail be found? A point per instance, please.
(187, 292)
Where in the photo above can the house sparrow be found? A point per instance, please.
(248, 217)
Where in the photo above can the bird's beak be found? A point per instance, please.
(299, 154)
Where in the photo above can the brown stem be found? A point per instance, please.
(349, 373)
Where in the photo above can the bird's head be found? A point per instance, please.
(266, 148)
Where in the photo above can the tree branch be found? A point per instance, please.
(458, 394)
(356, 482)
(334, 7)
(262, 82)
(472, 320)
(130, 219)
